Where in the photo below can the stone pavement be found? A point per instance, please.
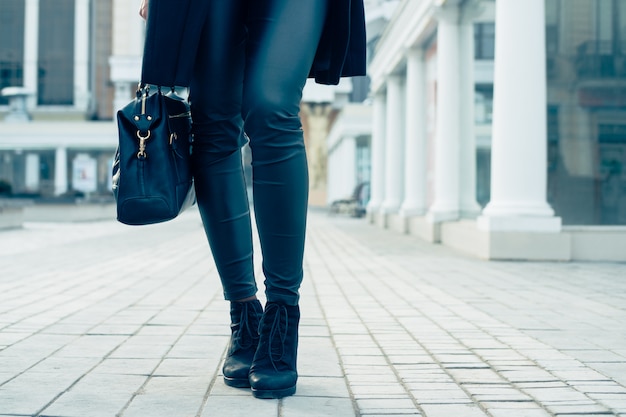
(101, 319)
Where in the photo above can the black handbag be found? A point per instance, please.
(152, 180)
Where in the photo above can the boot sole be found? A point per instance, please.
(267, 394)
(237, 382)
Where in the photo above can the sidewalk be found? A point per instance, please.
(101, 319)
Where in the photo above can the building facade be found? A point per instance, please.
(497, 127)
(57, 50)
(349, 139)
(65, 67)
(73, 63)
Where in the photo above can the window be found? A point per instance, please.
(56, 52)
(11, 44)
(586, 111)
(484, 40)
(603, 53)
(553, 10)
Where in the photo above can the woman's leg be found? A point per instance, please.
(282, 40)
(215, 96)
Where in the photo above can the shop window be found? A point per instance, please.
(56, 52)
(11, 44)
(586, 111)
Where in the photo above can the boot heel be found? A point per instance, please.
(273, 394)
(237, 382)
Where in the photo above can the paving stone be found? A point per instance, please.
(164, 405)
(530, 412)
(237, 406)
(579, 375)
(92, 404)
(555, 394)
(569, 408)
(96, 395)
(192, 347)
(527, 374)
(406, 414)
(29, 393)
(317, 407)
(318, 357)
(447, 410)
(599, 388)
(197, 367)
(387, 404)
(139, 347)
(127, 366)
(441, 396)
(482, 376)
(496, 392)
(595, 355)
(328, 387)
(616, 402)
(591, 415)
(91, 346)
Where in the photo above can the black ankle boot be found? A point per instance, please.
(273, 373)
(243, 344)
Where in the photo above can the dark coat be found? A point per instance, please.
(169, 53)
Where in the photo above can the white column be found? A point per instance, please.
(337, 174)
(31, 48)
(467, 156)
(415, 151)
(330, 175)
(518, 150)
(82, 40)
(60, 171)
(394, 146)
(33, 167)
(348, 145)
(81, 54)
(447, 142)
(377, 182)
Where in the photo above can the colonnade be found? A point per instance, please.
(434, 178)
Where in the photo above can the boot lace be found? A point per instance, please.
(277, 333)
(247, 334)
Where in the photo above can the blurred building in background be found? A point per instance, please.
(58, 88)
(497, 127)
(76, 62)
(338, 124)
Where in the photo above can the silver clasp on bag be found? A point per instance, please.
(142, 144)
(143, 137)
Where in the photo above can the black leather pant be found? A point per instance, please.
(253, 60)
